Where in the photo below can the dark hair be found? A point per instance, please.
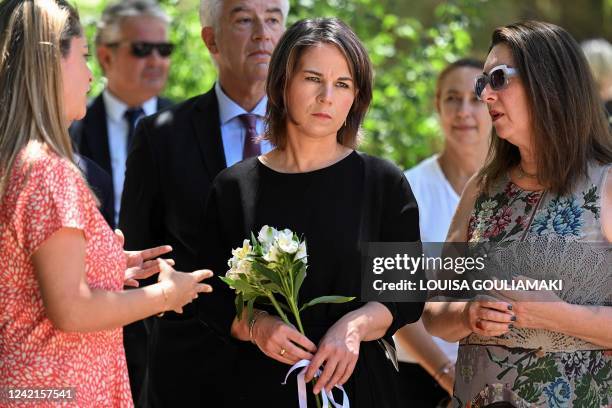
(460, 63)
(568, 121)
(297, 39)
(72, 28)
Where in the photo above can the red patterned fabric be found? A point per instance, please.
(46, 193)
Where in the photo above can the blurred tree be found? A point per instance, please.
(408, 43)
(407, 56)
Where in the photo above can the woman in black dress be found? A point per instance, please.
(314, 183)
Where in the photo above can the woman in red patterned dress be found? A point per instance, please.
(62, 306)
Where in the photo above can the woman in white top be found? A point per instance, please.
(427, 362)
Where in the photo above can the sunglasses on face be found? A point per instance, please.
(497, 77)
(143, 49)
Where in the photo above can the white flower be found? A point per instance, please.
(231, 274)
(272, 254)
(241, 252)
(244, 267)
(301, 253)
(267, 236)
(286, 242)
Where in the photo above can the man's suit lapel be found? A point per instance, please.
(208, 133)
(96, 132)
(163, 103)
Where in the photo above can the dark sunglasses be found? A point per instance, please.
(144, 49)
(497, 77)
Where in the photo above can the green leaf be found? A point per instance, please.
(257, 250)
(239, 302)
(239, 284)
(543, 370)
(327, 299)
(250, 309)
(299, 279)
(529, 392)
(268, 273)
(587, 393)
(227, 281)
(250, 296)
(604, 374)
(273, 287)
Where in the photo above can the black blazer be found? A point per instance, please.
(90, 134)
(175, 155)
(101, 184)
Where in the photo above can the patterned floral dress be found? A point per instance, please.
(540, 368)
(44, 194)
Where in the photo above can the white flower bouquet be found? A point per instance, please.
(270, 269)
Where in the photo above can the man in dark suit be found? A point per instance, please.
(133, 50)
(176, 155)
(100, 183)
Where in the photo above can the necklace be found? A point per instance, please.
(522, 173)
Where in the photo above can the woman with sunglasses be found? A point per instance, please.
(63, 270)
(547, 182)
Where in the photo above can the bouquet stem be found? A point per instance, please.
(296, 314)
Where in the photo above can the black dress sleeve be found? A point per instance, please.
(400, 223)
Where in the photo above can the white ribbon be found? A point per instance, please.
(326, 396)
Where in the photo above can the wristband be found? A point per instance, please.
(445, 369)
(252, 322)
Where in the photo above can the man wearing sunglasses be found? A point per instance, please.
(175, 157)
(133, 50)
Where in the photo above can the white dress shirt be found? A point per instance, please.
(117, 127)
(232, 129)
(437, 200)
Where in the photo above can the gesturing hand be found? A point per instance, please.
(338, 353)
(488, 317)
(142, 264)
(282, 342)
(181, 288)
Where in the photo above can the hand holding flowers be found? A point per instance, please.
(270, 269)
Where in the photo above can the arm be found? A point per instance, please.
(272, 335)
(590, 323)
(453, 321)
(415, 339)
(339, 348)
(71, 305)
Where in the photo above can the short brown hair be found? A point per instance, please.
(299, 37)
(460, 63)
(568, 120)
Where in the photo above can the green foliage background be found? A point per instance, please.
(407, 52)
(401, 124)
